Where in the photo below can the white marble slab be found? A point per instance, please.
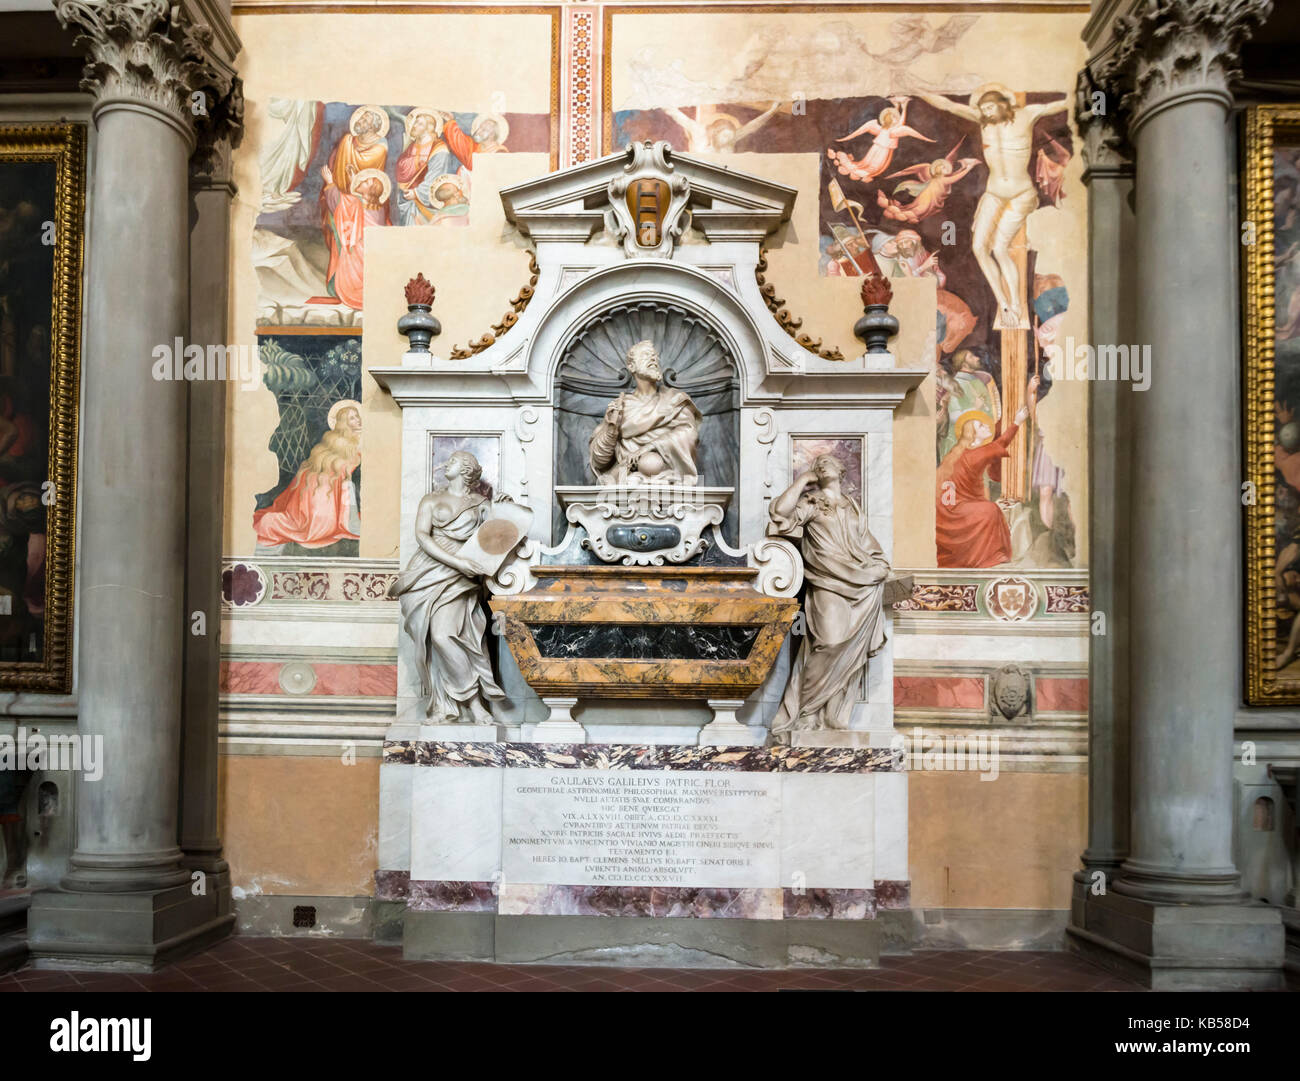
(455, 824)
(641, 828)
(828, 830)
(891, 827)
(395, 817)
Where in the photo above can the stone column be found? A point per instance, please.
(211, 193)
(1185, 526)
(1174, 911)
(146, 60)
(1108, 175)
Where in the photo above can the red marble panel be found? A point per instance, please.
(251, 677)
(1061, 695)
(939, 692)
(379, 680)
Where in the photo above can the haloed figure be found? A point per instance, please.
(440, 596)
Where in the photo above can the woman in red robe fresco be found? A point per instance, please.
(970, 530)
(346, 215)
(319, 507)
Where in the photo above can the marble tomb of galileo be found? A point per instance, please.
(645, 674)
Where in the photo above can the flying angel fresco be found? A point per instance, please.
(929, 191)
(888, 129)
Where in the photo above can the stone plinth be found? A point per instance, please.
(645, 632)
(520, 851)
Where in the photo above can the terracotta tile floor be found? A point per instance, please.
(313, 964)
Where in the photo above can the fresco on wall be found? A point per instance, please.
(332, 171)
(906, 186)
(315, 507)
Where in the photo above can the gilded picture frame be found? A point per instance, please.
(42, 222)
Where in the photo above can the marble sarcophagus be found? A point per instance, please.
(645, 632)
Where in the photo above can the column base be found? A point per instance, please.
(127, 932)
(1203, 947)
(1160, 885)
(128, 872)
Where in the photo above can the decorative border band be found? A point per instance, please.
(614, 756)
(643, 902)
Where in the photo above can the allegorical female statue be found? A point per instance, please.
(845, 570)
(440, 594)
(649, 434)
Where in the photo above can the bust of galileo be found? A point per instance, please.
(648, 434)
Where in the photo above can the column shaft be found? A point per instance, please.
(133, 503)
(1186, 512)
(209, 247)
(1110, 320)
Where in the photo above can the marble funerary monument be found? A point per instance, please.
(678, 701)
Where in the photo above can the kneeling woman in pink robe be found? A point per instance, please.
(845, 569)
(440, 596)
(319, 507)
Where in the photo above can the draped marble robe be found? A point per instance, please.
(441, 612)
(845, 570)
(672, 423)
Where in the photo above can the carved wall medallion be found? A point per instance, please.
(1011, 693)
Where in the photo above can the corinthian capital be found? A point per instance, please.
(149, 52)
(1097, 113)
(1168, 49)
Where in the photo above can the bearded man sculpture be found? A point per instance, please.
(649, 434)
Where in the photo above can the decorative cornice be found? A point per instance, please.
(151, 53)
(1168, 50)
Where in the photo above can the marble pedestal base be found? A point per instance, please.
(127, 932)
(590, 840)
(559, 726)
(575, 940)
(463, 733)
(726, 731)
(844, 737)
(1179, 947)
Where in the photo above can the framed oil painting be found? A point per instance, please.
(42, 198)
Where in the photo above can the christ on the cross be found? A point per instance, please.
(1007, 131)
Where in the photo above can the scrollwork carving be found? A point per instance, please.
(517, 306)
(789, 323)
